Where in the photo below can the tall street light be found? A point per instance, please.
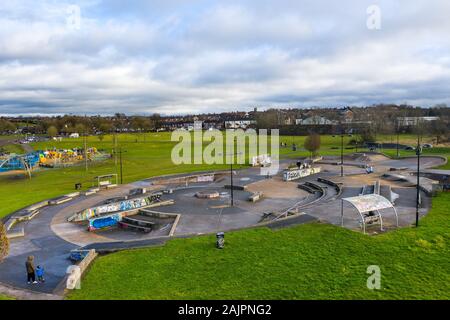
(342, 135)
(120, 162)
(418, 152)
(231, 154)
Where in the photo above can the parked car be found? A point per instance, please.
(410, 148)
(427, 146)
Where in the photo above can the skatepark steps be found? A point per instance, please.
(306, 188)
(337, 186)
(163, 215)
(139, 225)
(314, 186)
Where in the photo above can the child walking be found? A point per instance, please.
(40, 273)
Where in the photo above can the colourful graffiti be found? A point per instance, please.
(104, 222)
(124, 205)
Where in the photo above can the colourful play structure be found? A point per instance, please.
(48, 158)
(54, 158)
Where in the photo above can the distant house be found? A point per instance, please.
(346, 114)
(239, 124)
(314, 120)
(413, 121)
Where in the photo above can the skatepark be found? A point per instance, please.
(111, 217)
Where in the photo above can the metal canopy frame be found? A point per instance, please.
(368, 203)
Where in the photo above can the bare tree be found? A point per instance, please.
(312, 143)
(52, 131)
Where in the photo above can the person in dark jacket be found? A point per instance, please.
(31, 275)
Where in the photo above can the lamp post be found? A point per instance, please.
(418, 152)
(120, 162)
(231, 154)
(342, 135)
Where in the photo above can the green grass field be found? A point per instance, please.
(311, 261)
(3, 297)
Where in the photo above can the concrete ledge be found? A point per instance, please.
(73, 194)
(15, 234)
(91, 191)
(236, 187)
(38, 205)
(255, 196)
(59, 200)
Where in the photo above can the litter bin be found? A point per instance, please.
(220, 240)
(78, 186)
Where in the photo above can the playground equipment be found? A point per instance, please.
(54, 158)
(25, 162)
(47, 158)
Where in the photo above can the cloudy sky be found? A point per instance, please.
(181, 56)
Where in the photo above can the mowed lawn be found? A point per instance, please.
(311, 261)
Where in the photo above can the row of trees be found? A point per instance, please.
(7, 126)
(95, 125)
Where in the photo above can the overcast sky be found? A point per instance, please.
(181, 56)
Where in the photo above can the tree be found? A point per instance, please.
(80, 128)
(312, 143)
(4, 242)
(52, 131)
(7, 126)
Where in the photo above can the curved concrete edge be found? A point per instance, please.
(25, 294)
(337, 186)
(443, 158)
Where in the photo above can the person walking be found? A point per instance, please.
(31, 275)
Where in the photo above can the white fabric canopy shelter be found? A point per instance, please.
(368, 203)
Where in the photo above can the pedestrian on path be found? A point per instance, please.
(31, 274)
